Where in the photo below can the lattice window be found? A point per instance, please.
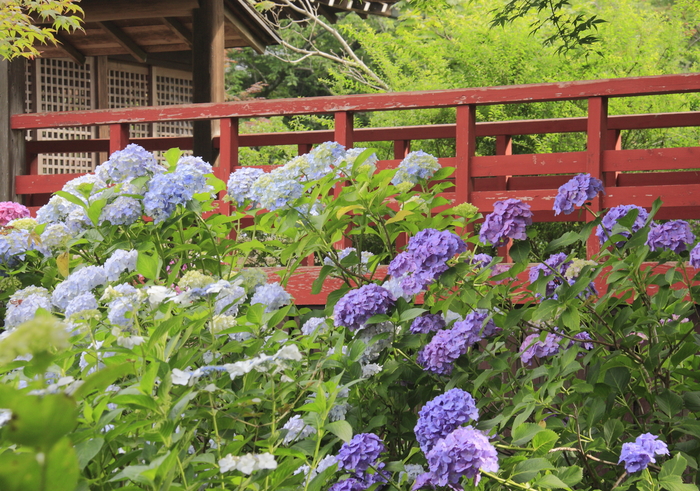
(128, 87)
(63, 86)
(173, 87)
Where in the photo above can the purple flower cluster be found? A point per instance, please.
(481, 261)
(695, 257)
(444, 414)
(556, 263)
(508, 221)
(475, 327)
(605, 230)
(357, 306)
(534, 346)
(9, 210)
(576, 192)
(638, 455)
(425, 258)
(427, 323)
(462, 453)
(674, 235)
(360, 453)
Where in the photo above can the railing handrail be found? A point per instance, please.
(626, 87)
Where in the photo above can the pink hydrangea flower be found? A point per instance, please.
(9, 210)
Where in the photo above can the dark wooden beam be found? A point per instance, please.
(110, 10)
(72, 52)
(253, 41)
(125, 41)
(327, 13)
(12, 151)
(178, 29)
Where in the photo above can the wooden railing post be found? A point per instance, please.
(465, 143)
(343, 135)
(504, 146)
(228, 157)
(401, 148)
(118, 137)
(304, 148)
(613, 142)
(597, 137)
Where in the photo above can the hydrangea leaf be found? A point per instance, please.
(341, 429)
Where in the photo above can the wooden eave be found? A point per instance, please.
(382, 8)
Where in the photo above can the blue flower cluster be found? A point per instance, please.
(78, 282)
(605, 230)
(240, 183)
(357, 306)
(444, 414)
(415, 168)
(120, 261)
(508, 221)
(128, 164)
(23, 304)
(674, 235)
(124, 210)
(639, 454)
(576, 192)
(81, 303)
(14, 245)
(276, 189)
(425, 258)
(427, 323)
(272, 295)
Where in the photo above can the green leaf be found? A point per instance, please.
(670, 403)
(410, 314)
(61, 467)
(543, 442)
(692, 400)
(148, 266)
(612, 430)
(571, 476)
(571, 317)
(675, 483)
(40, 421)
(341, 429)
(520, 252)
(618, 378)
(399, 216)
(550, 481)
(525, 432)
(87, 450)
(102, 378)
(526, 470)
(172, 156)
(72, 198)
(19, 471)
(318, 282)
(95, 210)
(139, 401)
(674, 467)
(346, 209)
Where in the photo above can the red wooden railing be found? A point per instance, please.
(631, 176)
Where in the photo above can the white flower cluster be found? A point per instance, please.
(247, 463)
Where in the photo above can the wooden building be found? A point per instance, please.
(135, 53)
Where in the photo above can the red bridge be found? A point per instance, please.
(631, 176)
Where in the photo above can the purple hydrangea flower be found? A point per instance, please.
(427, 323)
(350, 484)
(638, 455)
(481, 261)
(674, 235)
(508, 221)
(444, 414)
(272, 295)
(360, 452)
(604, 230)
(555, 263)
(357, 306)
(439, 355)
(462, 453)
(576, 192)
(425, 258)
(695, 257)
(534, 347)
(416, 167)
(9, 210)
(583, 338)
(240, 182)
(475, 327)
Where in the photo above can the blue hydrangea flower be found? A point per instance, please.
(427, 323)
(582, 339)
(229, 297)
(14, 245)
(358, 268)
(132, 162)
(674, 235)
(314, 324)
(23, 304)
(122, 211)
(425, 258)
(80, 281)
(56, 210)
(462, 453)
(416, 167)
(556, 263)
(123, 308)
(368, 166)
(78, 221)
(272, 295)
(576, 192)
(605, 230)
(444, 414)
(87, 185)
(120, 261)
(638, 455)
(508, 221)
(325, 155)
(81, 303)
(297, 429)
(360, 452)
(276, 189)
(393, 286)
(55, 236)
(240, 182)
(695, 257)
(357, 306)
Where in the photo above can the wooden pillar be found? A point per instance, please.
(344, 136)
(207, 70)
(465, 150)
(12, 144)
(118, 137)
(597, 138)
(229, 144)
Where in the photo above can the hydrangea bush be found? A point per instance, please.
(139, 352)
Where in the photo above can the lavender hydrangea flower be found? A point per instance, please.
(425, 258)
(357, 306)
(427, 323)
(462, 453)
(695, 257)
(605, 230)
(240, 182)
(638, 455)
(439, 355)
(416, 167)
(556, 263)
(132, 162)
(360, 452)
(120, 261)
(444, 414)
(508, 221)
(582, 339)
(674, 235)
(122, 211)
(475, 327)
(9, 210)
(272, 295)
(534, 347)
(576, 192)
(481, 261)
